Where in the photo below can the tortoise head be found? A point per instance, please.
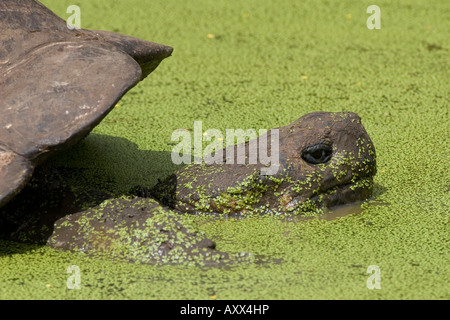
(322, 160)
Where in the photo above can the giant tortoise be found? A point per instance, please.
(57, 84)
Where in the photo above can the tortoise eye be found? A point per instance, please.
(318, 153)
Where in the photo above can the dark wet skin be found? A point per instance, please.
(325, 160)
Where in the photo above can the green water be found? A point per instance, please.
(262, 64)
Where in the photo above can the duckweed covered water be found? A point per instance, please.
(259, 65)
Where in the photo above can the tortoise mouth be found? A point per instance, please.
(353, 191)
(345, 193)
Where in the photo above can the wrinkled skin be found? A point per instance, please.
(325, 159)
(139, 230)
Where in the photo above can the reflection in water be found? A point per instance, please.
(332, 213)
(340, 211)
